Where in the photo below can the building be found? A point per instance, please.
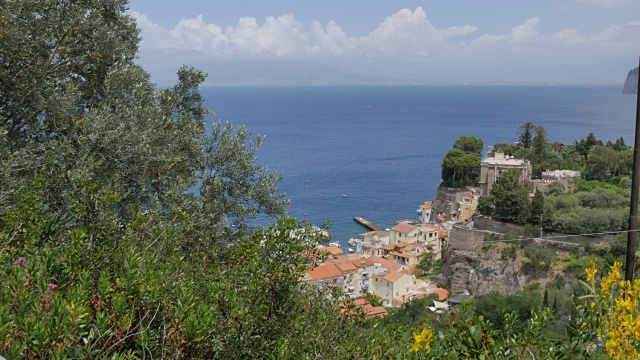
(467, 207)
(324, 276)
(565, 177)
(424, 212)
(353, 275)
(492, 166)
(391, 284)
(349, 276)
(404, 232)
(361, 307)
(372, 242)
(429, 236)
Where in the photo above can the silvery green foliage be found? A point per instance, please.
(76, 109)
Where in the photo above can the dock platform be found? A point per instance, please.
(366, 223)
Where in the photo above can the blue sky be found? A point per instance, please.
(439, 41)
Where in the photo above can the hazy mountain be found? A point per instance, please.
(274, 72)
(631, 85)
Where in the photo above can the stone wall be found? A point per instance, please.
(481, 223)
(461, 238)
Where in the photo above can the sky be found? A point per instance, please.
(437, 41)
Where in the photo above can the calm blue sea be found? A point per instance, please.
(382, 146)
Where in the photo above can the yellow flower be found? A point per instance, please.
(591, 274)
(423, 338)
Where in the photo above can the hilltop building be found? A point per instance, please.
(492, 166)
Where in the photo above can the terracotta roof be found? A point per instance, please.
(402, 244)
(428, 228)
(402, 254)
(468, 198)
(393, 276)
(426, 205)
(389, 247)
(333, 250)
(441, 232)
(411, 247)
(404, 228)
(324, 272)
(369, 310)
(388, 264)
(360, 302)
(443, 294)
(377, 311)
(345, 265)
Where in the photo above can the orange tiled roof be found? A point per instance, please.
(428, 228)
(410, 247)
(333, 250)
(403, 255)
(393, 276)
(443, 294)
(369, 310)
(388, 264)
(345, 265)
(404, 228)
(389, 247)
(377, 311)
(426, 205)
(360, 302)
(326, 271)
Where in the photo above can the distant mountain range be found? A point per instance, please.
(289, 73)
(631, 85)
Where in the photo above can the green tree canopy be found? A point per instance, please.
(469, 144)
(460, 168)
(537, 208)
(511, 198)
(525, 134)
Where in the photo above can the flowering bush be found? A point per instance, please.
(612, 312)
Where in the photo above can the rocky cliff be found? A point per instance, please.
(483, 273)
(631, 85)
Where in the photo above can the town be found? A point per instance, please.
(385, 264)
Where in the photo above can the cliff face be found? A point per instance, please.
(482, 273)
(631, 85)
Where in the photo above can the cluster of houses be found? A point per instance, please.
(382, 263)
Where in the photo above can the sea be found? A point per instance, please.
(375, 151)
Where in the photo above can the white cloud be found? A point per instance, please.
(605, 3)
(519, 36)
(406, 36)
(572, 36)
(405, 32)
(526, 32)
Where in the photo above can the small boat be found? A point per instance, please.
(334, 244)
(343, 195)
(352, 242)
(351, 250)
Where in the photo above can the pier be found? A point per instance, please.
(366, 223)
